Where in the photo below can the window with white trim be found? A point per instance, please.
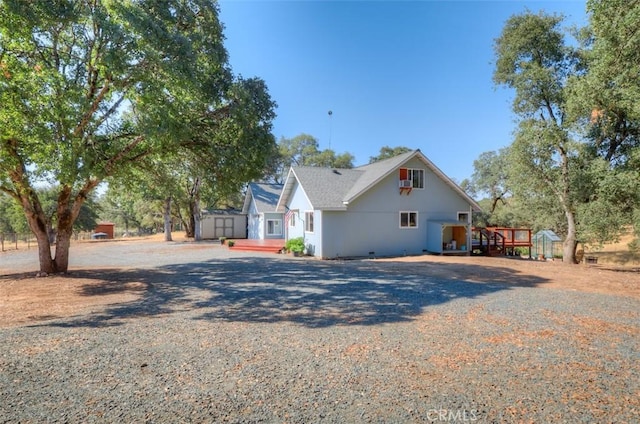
(417, 178)
(463, 217)
(308, 222)
(274, 227)
(408, 219)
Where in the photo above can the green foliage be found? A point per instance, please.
(605, 110)
(387, 152)
(609, 206)
(295, 245)
(12, 219)
(95, 90)
(490, 178)
(533, 59)
(584, 188)
(303, 150)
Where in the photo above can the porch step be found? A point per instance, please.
(249, 245)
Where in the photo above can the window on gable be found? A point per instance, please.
(308, 222)
(408, 219)
(416, 176)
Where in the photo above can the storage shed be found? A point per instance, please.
(546, 243)
(107, 228)
(448, 238)
(229, 223)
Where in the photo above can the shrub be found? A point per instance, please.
(295, 245)
(230, 243)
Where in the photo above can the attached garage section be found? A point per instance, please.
(220, 223)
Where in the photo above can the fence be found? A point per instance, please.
(26, 241)
(16, 241)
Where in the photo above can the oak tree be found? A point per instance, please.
(90, 88)
(533, 59)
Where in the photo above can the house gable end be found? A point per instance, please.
(376, 172)
(263, 197)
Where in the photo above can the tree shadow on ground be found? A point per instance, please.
(305, 292)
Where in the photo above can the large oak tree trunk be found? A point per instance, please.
(47, 265)
(167, 219)
(66, 218)
(190, 224)
(570, 243)
(40, 230)
(197, 227)
(67, 211)
(40, 226)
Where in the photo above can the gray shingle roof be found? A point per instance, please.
(325, 187)
(334, 188)
(265, 196)
(374, 172)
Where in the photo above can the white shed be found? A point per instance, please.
(224, 223)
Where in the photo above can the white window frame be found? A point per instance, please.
(415, 183)
(465, 214)
(408, 213)
(276, 227)
(308, 222)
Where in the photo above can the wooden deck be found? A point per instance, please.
(252, 245)
(493, 241)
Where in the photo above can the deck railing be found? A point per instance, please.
(503, 239)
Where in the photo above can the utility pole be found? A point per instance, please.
(330, 114)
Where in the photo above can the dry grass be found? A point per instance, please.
(615, 253)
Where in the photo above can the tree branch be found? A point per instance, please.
(94, 106)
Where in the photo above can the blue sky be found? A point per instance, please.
(415, 74)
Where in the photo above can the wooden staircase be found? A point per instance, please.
(252, 245)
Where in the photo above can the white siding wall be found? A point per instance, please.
(300, 203)
(255, 222)
(371, 222)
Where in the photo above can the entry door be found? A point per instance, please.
(223, 227)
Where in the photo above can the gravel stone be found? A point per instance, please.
(231, 337)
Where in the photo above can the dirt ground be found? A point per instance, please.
(25, 299)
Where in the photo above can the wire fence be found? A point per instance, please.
(17, 241)
(26, 241)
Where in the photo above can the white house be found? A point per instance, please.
(400, 206)
(260, 207)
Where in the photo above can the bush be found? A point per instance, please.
(295, 245)
(230, 243)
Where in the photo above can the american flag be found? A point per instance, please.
(287, 216)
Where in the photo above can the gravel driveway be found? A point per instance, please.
(221, 336)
